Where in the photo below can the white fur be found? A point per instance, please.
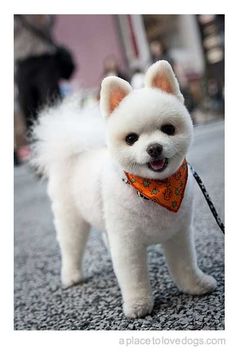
(86, 188)
(62, 132)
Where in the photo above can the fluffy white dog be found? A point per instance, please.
(149, 131)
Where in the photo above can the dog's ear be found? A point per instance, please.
(113, 91)
(160, 75)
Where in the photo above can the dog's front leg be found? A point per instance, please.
(130, 266)
(181, 259)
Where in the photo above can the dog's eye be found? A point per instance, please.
(131, 138)
(168, 129)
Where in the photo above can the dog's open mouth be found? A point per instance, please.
(158, 165)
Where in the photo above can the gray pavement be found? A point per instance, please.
(41, 303)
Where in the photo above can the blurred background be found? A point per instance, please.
(56, 55)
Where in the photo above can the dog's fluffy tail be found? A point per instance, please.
(64, 131)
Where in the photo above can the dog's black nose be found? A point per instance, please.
(155, 150)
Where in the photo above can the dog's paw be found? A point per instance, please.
(201, 285)
(71, 277)
(136, 308)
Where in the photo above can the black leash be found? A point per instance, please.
(208, 199)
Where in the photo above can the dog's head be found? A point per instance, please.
(149, 130)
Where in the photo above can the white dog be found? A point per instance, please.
(149, 132)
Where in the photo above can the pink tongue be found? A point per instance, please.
(156, 165)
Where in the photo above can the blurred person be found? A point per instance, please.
(39, 64)
(159, 51)
(111, 68)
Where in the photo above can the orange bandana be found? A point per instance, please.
(168, 193)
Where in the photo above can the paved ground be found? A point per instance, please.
(41, 303)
